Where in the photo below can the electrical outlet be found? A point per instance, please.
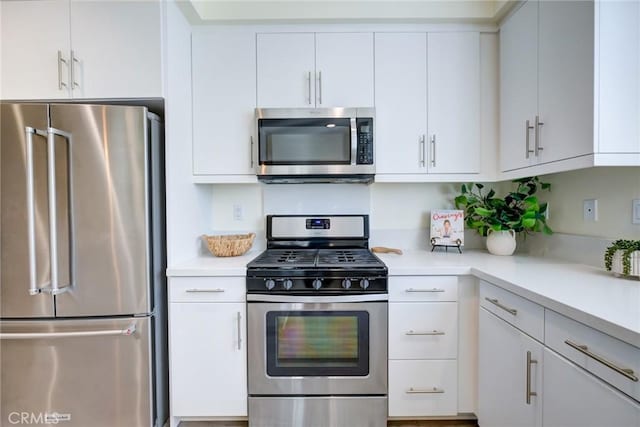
(238, 214)
(635, 216)
(590, 210)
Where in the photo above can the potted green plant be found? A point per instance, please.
(623, 258)
(500, 218)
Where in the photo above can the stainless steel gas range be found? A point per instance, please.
(317, 325)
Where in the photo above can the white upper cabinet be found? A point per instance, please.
(401, 106)
(224, 99)
(35, 42)
(429, 79)
(565, 80)
(570, 86)
(286, 70)
(454, 102)
(618, 46)
(518, 86)
(69, 49)
(315, 70)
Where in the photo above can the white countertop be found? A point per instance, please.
(586, 294)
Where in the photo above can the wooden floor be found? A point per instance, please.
(398, 423)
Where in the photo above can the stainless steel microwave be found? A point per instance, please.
(315, 145)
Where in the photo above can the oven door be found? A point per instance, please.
(310, 348)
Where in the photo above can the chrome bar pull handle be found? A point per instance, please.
(128, 331)
(74, 61)
(626, 372)
(529, 393)
(527, 129)
(320, 87)
(434, 390)
(61, 61)
(31, 210)
(433, 148)
(424, 290)
(251, 151)
(309, 87)
(55, 288)
(239, 318)
(434, 332)
(538, 148)
(421, 148)
(197, 290)
(498, 304)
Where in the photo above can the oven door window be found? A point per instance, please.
(304, 141)
(317, 343)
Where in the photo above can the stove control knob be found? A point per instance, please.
(317, 284)
(287, 284)
(270, 284)
(346, 283)
(364, 283)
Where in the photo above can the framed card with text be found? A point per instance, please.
(447, 228)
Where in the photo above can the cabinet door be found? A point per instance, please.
(565, 79)
(401, 106)
(208, 359)
(502, 375)
(118, 49)
(33, 33)
(344, 68)
(574, 398)
(286, 70)
(454, 102)
(518, 86)
(224, 98)
(619, 81)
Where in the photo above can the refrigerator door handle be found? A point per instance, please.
(128, 331)
(31, 212)
(54, 287)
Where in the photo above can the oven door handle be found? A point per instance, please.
(317, 298)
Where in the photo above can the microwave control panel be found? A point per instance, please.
(365, 141)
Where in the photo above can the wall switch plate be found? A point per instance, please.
(238, 214)
(590, 210)
(635, 212)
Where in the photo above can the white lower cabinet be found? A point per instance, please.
(207, 348)
(509, 375)
(575, 398)
(423, 388)
(423, 346)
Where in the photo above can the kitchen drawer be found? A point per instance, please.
(599, 353)
(423, 388)
(520, 312)
(423, 330)
(423, 288)
(207, 289)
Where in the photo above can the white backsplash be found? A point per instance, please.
(315, 199)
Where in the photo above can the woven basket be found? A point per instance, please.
(229, 245)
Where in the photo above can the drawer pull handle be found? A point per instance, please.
(434, 390)
(497, 303)
(585, 350)
(425, 290)
(195, 290)
(529, 393)
(434, 332)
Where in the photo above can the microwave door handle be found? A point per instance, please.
(354, 141)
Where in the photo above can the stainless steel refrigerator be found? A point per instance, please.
(82, 291)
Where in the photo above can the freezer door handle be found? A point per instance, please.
(31, 211)
(54, 287)
(128, 331)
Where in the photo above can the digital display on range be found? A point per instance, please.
(318, 224)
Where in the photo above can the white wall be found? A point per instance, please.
(613, 187)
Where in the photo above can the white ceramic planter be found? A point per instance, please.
(617, 267)
(501, 242)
